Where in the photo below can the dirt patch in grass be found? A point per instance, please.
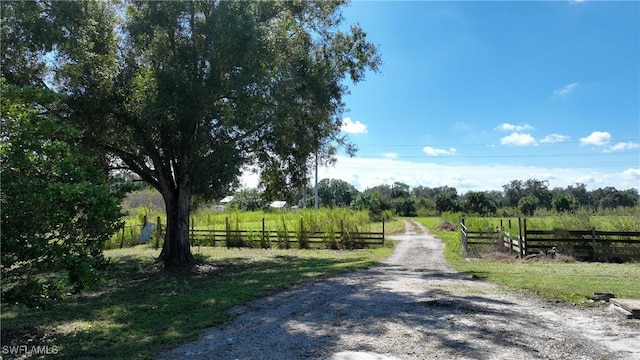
(446, 225)
(505, 257)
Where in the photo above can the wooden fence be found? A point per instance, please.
(588, 245)
(302, 237)
(495, 238)
(234, 237)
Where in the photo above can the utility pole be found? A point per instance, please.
(315, 189)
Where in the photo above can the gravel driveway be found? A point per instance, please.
(413, 306)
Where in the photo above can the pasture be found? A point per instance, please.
(560, 279)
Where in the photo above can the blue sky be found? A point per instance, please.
(475, 94)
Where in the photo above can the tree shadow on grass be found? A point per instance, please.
(309, 321)
(143, 308)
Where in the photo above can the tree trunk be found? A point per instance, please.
(176, 250)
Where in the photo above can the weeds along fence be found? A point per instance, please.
(303, 237)
(586, 245)
(300, 236)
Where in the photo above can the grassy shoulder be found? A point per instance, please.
(142, 309)
(566, 281)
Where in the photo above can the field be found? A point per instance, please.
(579, 221)
(569, 281)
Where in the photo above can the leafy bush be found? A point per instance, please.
(57, 208)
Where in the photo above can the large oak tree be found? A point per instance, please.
(188, 94)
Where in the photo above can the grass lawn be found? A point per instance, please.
(142, 309)
(554, 280)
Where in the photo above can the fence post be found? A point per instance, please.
(226, 227)
(463, 236)
(593, 240)
(523, 236)
(158, 232)
(341, 232)
(302, 240)
(122, 236)
(263, 234)
(382, 231)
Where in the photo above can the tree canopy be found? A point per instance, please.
(188, 94)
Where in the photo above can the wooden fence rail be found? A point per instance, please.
(302, 237)
(496, 238)
(230, 237)
(595, 245)
(591, 245)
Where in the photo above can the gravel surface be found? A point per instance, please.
(413, 306)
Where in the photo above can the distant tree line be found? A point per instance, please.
(516, 198)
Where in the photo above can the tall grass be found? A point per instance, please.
(322, 220)
(581, 220)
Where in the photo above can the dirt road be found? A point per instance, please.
(413, 306)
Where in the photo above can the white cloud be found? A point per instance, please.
(365, 173)
(554, 138)
(512, 127)
(352, 127)
(567, 89)
(597, 138)
(390, 155)
(435, 152)
(368, 172)
(518, 139)
(623, 146)
(632, 176)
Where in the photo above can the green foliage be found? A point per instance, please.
(369, 201)
(336, 193)
(404, 206)
(247, 200)
(609, 198)
(564, 203)
(447, 200)
(528, 205)
(476, 202)
(57, 207)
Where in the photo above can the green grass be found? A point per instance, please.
(142, 309)
(566, 281)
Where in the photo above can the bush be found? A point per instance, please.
(57, 207)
